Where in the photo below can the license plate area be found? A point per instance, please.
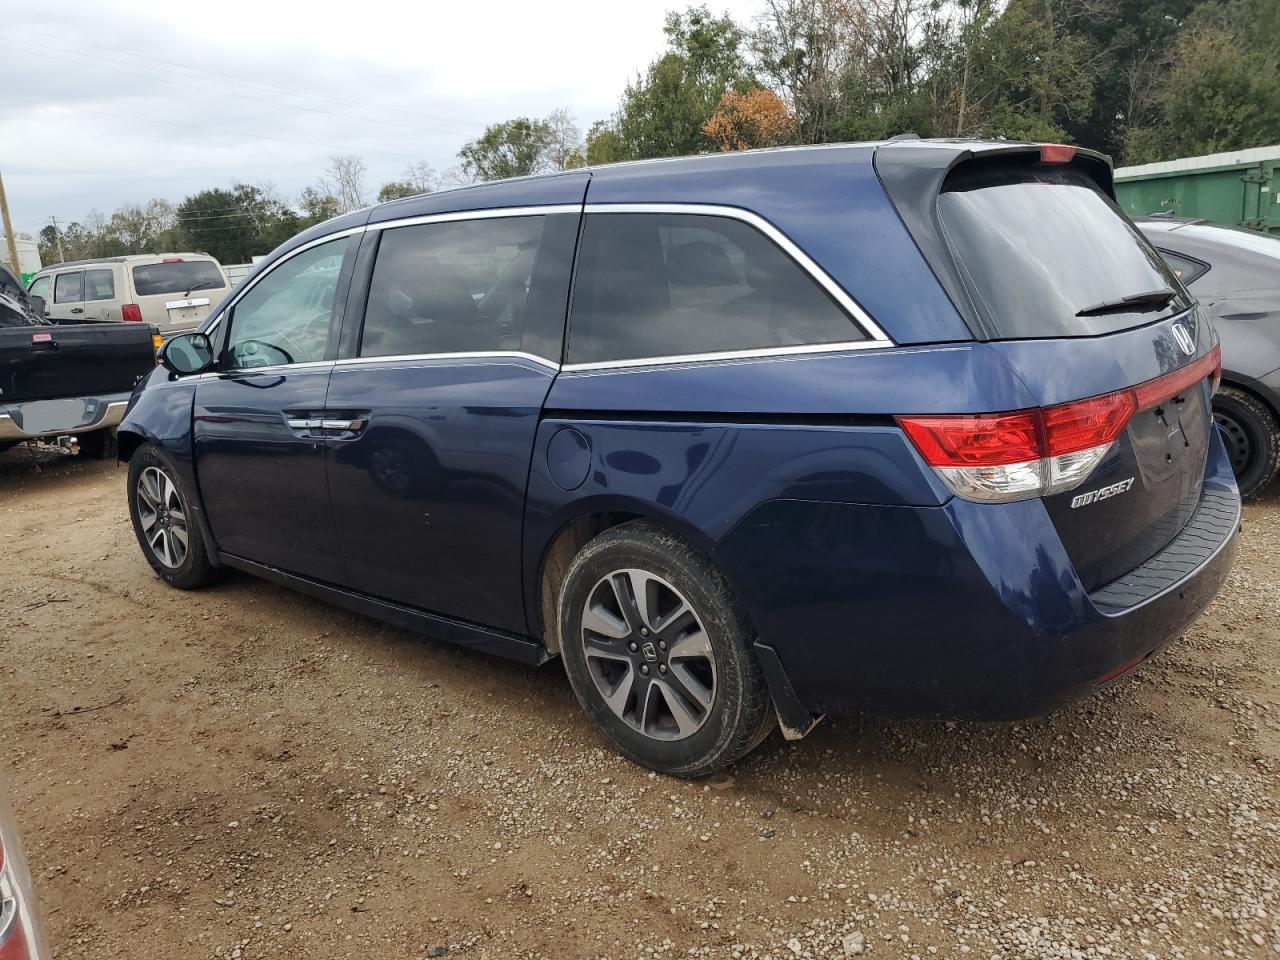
(50, 416)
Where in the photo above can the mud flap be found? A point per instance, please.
(793, 717)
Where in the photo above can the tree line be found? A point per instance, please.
(1141, 80)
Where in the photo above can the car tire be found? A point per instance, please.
(669, 677)
(1251, 436)
(167, 529)
(98, 445)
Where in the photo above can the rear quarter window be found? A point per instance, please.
(661, 285)
(1186, 269)
(177, 276)
(1046, 253)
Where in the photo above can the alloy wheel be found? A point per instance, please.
(162, 516)
(648, 654)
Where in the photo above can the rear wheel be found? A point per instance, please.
(166, 528)
(659, 654)
(1251, 436)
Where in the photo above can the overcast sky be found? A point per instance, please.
(111, 103)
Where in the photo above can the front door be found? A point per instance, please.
(460, 344)
(259, 445)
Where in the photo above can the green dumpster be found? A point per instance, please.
(1239, 188)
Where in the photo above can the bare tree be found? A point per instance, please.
(421, 176)
(344, 181)
(565, 141)
(803, 48)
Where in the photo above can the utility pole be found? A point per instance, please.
(8, 231)
(57, 237)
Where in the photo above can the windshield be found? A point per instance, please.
(1048, 254)
(177, 276)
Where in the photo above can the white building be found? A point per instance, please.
(28, 255)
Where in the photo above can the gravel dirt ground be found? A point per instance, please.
(244, 772)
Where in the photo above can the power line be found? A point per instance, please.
(244, 81)
(45, 55)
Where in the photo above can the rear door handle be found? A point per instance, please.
(77, 309)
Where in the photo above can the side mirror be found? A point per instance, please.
(37, 306)
(186, 354)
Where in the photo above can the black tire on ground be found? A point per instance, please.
(692, 643)
(162, 520)
(1252, 437)
(98, 445)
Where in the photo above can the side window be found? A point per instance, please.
(286, 317)
(40, 288)
(453, 287)
(69, 287)
(655, 285)
(1187, 270)
(99, 285)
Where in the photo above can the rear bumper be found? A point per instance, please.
(37, 419)
(964, 611)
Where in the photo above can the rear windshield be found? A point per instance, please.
(1048, 254)
(179, 276)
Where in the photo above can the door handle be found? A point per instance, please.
(347, 426)
(77, 309)
(317, 423)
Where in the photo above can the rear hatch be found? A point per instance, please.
(50, 362)
(1059, 282)
(176, 293)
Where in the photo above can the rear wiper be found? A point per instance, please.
(1151, 300)
(198, 286)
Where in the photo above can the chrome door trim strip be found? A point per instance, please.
(765, 353)
(806, 263)
(460, 355)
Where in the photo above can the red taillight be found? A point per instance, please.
(982, 441)
(1032, 453)
(171, 260)
(131, 312)
(1171, 384)
(1056, 153)
(1086, 423)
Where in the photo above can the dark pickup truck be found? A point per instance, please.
(60, 381)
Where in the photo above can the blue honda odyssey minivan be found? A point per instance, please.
(917, 428)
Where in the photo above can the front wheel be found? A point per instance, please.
(1251, 436)
(658, 653)
(167, 529)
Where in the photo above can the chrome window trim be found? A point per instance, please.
(762, 353)
(458, 355)
(876, 337)
(495, 213)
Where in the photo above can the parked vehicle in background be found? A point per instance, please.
(919, 428)
(65, 381)
(172, 291)
(1235, 274)
(20, 936)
